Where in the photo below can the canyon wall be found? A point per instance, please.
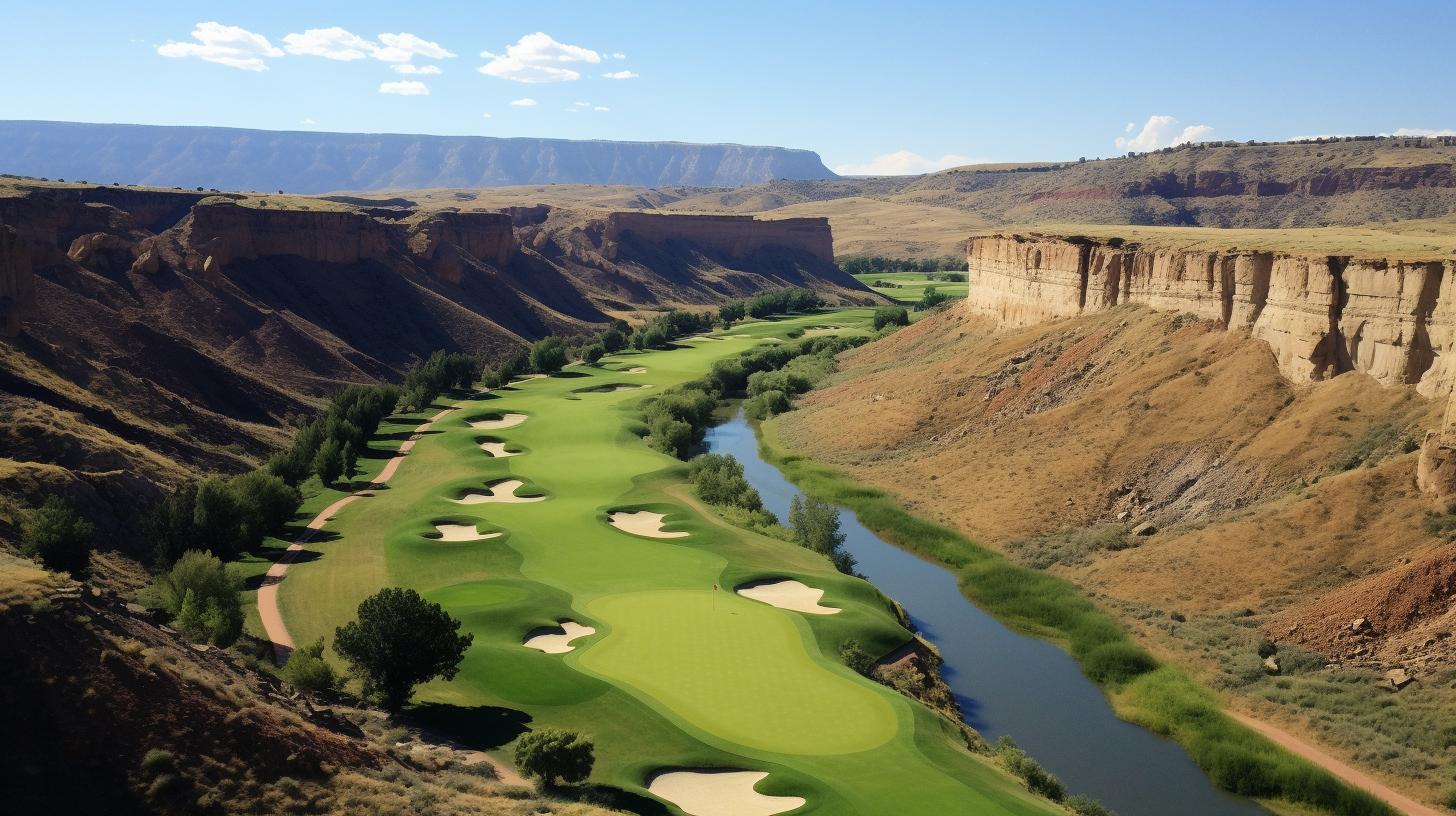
(1394, 320)
(734, 235)
(17, 283)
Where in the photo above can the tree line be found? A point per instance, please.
(930, 267)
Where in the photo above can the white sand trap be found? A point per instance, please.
(463, 532)
(703, 339)
(642, 523)
(501, 492)
(788, 594)
(720, 793)
(636, 370)
(505, 421)
(557, 639)
(615, 387)
(498, 449)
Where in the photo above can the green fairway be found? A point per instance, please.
(677, 674)
(909, 287)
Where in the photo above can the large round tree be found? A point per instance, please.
(399, 641)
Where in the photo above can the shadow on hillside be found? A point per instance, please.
(482, 728)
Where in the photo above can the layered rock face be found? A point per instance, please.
(17, 283)
(486, 237)
(221, 232)
(736, 236)
(1321, 315)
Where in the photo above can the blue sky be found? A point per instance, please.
(873, 87)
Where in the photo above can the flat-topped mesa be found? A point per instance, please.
(221, 231)
(737, 236)
(1321, 315)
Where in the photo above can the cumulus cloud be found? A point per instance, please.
(405, 87)
(621, 75)
(225, 45)
(485, 116)
(528, 102)
(618, 55)
(330, 43)
(537, 58)
(1423, 132)
(416, 70)
(1160, 132)
(404, 47)
(901, 163)
(601, 108)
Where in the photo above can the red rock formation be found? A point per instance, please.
(17, 283)
(733, 235)
(438, 239)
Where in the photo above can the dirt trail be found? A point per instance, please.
(268, 591)
(1351, 776)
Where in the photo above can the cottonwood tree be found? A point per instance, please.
(202, 598)
(815, 525)
(399, 641)
(552, 755)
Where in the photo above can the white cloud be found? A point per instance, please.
(416, 70)
(901, 163)
(601, 108)
(528, 102)
(404, 47)
(1423, 132)
(485, 116)
(404, 87)
(308, 122)
(618, 55)
(621, 75)
(582, 104)
(538, 58)
(1160, 132)
(225, 45)
(1130, 127)
(330, 43)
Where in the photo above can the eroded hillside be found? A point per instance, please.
(1121, 434)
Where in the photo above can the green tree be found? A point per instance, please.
(548, 355)
(307, 670)
(855, 657)
(265, 502)
(732, 312)
(328, 463)
(399, 641)
(201, 596)
(891, 316)
(591, 354)
(614, 339)
(552, 755)
(60, 539)
(671, 436)
(931, 298)
(218, 520)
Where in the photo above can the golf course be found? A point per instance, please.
(909, 287)
(601, 597)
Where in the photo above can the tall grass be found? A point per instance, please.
(1158, 697)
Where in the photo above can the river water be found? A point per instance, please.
(1009, 683)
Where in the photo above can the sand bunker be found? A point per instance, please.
(500, 422)
(787, 594)
(636, 370)
(463, 532)
(641, 523)
(720, 793)
(502, 492)
(498, 449)
(703, 339)
(613, 388)
(557, 639)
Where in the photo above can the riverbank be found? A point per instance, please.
(1156, 696)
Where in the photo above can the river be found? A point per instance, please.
(1009, 683)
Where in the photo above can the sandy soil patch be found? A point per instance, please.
(787, 594)
(502, 422)
(498, 449)
(463, 532)
(501, 492)
(557, 639)
(642, 523)
(720, 793)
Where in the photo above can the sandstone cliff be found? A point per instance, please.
(1320, 315)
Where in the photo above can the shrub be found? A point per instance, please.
(853, 655)
(718, 479)
(891, 316)
(591, 354)
(307, 670)
(57, 537)
(398, 641)
(1084, 805)
(1038, 780)
(552, 755)
(766, 405)
(931, 298)
(548, 355)
(202, 598)
(1117, 663)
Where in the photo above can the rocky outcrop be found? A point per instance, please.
(1321, 315)
(17, 283)
(736, 236)
(220, 231)
(443, 237)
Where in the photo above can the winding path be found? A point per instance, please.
(268, 590)
(1350, 775)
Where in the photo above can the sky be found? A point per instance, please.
(873, 87)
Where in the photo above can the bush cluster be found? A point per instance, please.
(933, 268)
(330, 445)
(200, 595)
(436, 374)
(225, 517)
(1038, 779)
(57, 537)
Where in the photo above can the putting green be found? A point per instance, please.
(737, 670)
(677, 675)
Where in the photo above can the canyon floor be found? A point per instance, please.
(1167, 466)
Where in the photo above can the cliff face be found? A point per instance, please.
(737, 236)
(306, 162)
(17, 283)
(1321, 315)
(220, 232)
